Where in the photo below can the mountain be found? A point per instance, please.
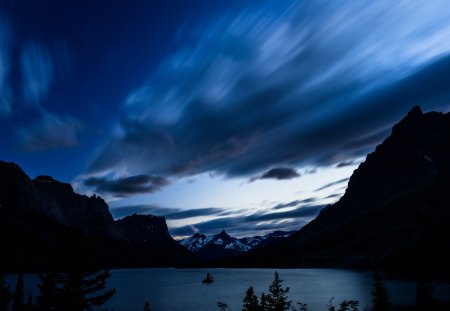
(223, 245)
(38, 217)
(395, 213)
(151, 242)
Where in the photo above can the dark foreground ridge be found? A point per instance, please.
(394, 215)
(38, 217)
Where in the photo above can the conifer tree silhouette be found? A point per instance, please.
(5, 294)
(18, 303)
(380, 296)
(251, 302)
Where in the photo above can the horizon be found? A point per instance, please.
(246, 117)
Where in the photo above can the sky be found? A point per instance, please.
(248, 116)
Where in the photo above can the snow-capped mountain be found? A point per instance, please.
(222, 244)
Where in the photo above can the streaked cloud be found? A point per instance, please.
(257, 223)
(5, 46)
(125, 186)
(49, 131)
(334, 183)
(309, 83)
(37, 72)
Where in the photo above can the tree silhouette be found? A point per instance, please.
(49, 292)
(147, 306)
(349, 305)
(222, 306)
(264, 303)
(251, 302)
(425, 300)
(18, 296)
(380, 296)
(302, 306)
(85, 290)
(277, 297)
(330, 305)
(5, 294)
(30, 306)
(81, 287)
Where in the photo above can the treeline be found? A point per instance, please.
(75, 285)
(70, 291)
(277, 299)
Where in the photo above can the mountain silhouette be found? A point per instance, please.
(395, 213)
(37, 217)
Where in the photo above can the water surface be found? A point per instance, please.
(181, 289)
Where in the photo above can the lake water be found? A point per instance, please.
(181, 289)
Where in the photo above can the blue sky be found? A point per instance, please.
(216, 114)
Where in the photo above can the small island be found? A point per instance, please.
(209, 279)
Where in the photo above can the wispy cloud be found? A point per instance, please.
(257, 223)
(5, 91)
(125, 186)
(282, 86)
(37, 72)
(334, 183)
(49, 131)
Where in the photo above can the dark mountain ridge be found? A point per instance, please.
(37, 217)
(395, 213)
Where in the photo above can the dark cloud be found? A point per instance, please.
(281, 93)
(258, 223)
(211, 211)
(348, 163)
(280, 173)
(123, 187)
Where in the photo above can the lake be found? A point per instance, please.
(181, 289)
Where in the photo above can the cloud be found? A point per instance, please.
(311, 83)
(334, 183)
(257, 223)
(5, 91)
(126, 186)
(37, 72)
(348, 163)
(294, 203)
(168, 212)
(50, 131)
(280, 173)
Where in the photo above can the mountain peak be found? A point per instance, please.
(415, 111)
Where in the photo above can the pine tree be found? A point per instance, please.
(251, 302)
(18, 296)
(147, 307)
(277, 297)
(380, 296)
(5, 294)
(85, 290)
(330, 305)
(425, 300)
(264, 303)
(81, 287)
(222, 306)
(30, 306)
(349, 305)
(302, 306)
(49, 292)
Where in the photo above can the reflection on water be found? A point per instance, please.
(182, 289)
